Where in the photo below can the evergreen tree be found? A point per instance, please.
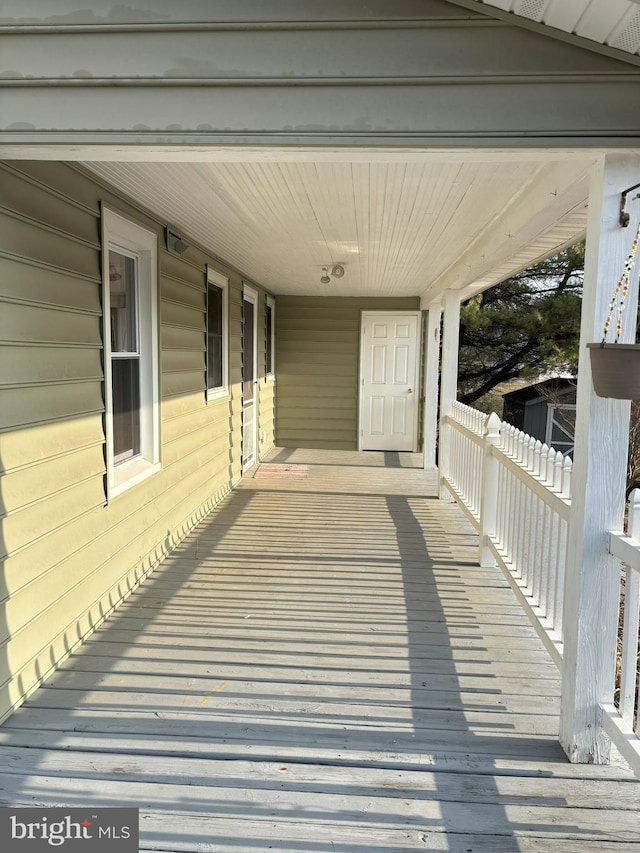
(523, 327)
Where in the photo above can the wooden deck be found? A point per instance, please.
(321, 666)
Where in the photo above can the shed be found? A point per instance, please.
(545, 410)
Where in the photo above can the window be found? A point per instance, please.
(131, 352)
(270, 338)
(217, 335)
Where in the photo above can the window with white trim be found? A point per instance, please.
(270, 338)
(130, 302)
(217, 334)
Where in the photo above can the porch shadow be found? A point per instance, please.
(317, 667)
(436, 550)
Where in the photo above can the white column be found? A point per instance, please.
(448, 379)
(598, 482)
(431, 375)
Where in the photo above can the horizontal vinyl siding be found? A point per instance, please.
(312, 73)
(317, 362)
(182, 307)
(267, 402)
(356, 53)
(69, 557)
(58, 12)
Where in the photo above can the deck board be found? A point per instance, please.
(321, 666)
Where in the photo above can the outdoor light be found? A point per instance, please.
(176, 244)
(337, 271)
(625, 218)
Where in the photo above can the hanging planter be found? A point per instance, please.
(615, 367)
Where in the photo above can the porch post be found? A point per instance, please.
(448, 380)
(592, 581)
(431, 372)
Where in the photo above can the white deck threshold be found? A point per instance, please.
(321, 666)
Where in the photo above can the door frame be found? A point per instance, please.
(361, 363)
(250, 294)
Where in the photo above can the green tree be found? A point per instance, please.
(523, 327)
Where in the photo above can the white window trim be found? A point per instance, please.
(221, 281)
(271, 303)
(122, 234)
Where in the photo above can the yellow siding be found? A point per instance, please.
(43, 365)
(23, 447)
(267, 416)
(266, 387)
(317, 358)
(43, 245)
(30, 405)
(69, 557)
(41, 285)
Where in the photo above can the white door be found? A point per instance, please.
(249, 377)
(388, 381)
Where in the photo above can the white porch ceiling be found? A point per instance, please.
(402, 224)
(615, 23)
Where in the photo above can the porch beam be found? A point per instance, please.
(448, 381)
(551, 193)
(50, 148)
(592, 583)
(431, 374)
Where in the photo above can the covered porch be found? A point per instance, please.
(339, 622)
(321, 665)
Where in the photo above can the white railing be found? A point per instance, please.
(516, 491)
(466, 451)
(621, 722)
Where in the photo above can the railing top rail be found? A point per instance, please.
(546, 471)
(627, 547)
(473, 419)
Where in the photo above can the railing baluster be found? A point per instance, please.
(628, 671)
(518, 520)
(506, 494)
(556, 545)
(530, 517)
(542, 451)
(548, 565)
(566, 477)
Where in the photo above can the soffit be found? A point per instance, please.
(401, 225)
(615, 23)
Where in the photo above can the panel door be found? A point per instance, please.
(389, 372)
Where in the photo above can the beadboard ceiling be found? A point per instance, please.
(615, 23)
(401, 224)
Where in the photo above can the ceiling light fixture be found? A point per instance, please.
(337, 271)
